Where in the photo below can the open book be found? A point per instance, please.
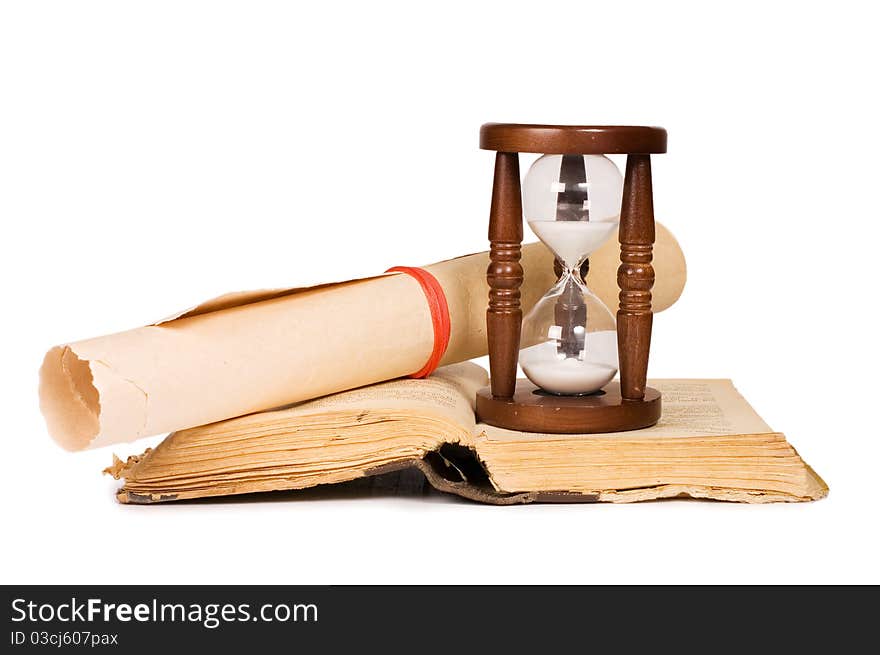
(709, 444)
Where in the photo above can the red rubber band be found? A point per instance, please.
(439, 315)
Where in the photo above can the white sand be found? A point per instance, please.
(571, 241)
(542, 365)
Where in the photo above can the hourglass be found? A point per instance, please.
(569, 345)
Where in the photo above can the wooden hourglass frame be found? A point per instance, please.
(519, 405)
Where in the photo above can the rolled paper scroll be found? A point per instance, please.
(252, 351)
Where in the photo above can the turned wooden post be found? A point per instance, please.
(505, 275)
(635, 277)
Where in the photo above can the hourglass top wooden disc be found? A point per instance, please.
(573, 139)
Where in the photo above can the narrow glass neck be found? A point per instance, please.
(569, 281)
(572, 272)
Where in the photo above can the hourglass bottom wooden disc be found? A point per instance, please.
(534, 410)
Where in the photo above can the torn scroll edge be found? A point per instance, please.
(79, 394)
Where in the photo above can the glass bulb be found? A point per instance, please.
(569, 338)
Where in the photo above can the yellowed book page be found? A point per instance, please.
(709, 443)
(813, 488)
(449, 393)
(331, 439)
(691, 408)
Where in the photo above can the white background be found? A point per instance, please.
(156, 154)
